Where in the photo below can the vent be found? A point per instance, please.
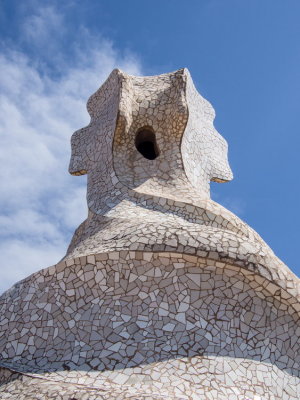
(145, 143)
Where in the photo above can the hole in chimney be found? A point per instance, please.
(145, 142)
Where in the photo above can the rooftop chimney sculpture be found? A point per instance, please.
(163, 293)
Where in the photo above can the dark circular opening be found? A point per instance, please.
(145, 142)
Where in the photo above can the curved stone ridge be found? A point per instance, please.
(130, 315)
(163, 293)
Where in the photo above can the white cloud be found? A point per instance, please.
(235, 204)
(42, 26)
(40, 203)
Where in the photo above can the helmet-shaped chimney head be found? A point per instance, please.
(154, 132)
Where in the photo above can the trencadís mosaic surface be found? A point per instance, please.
(163, 293)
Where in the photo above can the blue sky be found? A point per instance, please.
(244, 57)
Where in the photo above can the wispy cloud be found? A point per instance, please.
(40, 203)
(43, 25)
(237, 205)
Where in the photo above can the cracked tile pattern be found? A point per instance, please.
(163, 293)
(160, 321)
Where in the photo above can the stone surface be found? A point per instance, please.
(163, 293)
